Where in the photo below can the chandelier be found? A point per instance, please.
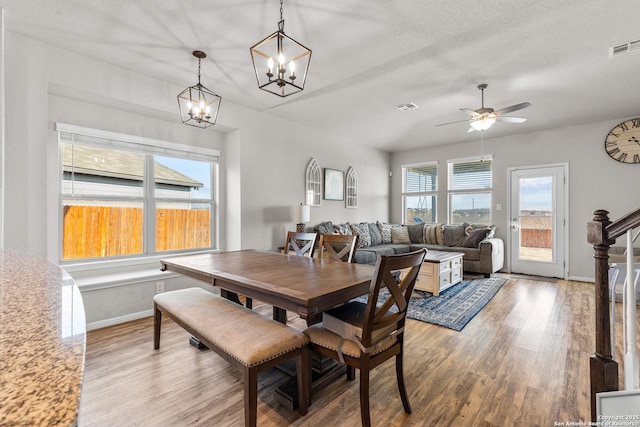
(198, 105)
(277, 59)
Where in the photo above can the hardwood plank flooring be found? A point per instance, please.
(523, 360)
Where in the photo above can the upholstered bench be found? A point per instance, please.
(245, 338)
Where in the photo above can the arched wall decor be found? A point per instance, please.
(313, 184)
(351, 199)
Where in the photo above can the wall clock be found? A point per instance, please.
(623, 142)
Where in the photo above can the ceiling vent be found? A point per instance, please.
(406, 106)
(625, 48)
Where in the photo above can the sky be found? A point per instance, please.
(198, 170)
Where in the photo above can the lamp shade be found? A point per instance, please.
(304, 213)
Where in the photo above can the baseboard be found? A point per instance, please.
(120, 319)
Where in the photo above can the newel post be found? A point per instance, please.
(603, 369)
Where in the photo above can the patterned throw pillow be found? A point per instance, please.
(472, 227)
(400, 234)
(385, 230)
(342, 228)
(433, 234)
(362, 230)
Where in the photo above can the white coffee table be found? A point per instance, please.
(440, 271)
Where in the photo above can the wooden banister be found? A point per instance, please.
(602, 233)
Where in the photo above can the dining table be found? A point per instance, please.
(304, 285)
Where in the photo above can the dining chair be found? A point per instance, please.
(381, 335)
(338, 247)
(300, 243)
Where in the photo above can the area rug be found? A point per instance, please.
(454, 307)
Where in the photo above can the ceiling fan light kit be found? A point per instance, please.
(198, 105)
(280, 62)
(484, 117)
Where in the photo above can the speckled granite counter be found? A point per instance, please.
(42, 343)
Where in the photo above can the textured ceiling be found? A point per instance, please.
(369, 56)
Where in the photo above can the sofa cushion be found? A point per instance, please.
(370, 255)
(433, 234)
(454, 235)
(385, 231)
(376, 236)
(362, 230)
(470, 254)
(492, 229)
(476, 236)
(400, 234)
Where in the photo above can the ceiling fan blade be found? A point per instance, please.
(468, 110)
(508, 119)
(513, 108)
(450, 123)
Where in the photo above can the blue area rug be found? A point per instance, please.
(454, 307)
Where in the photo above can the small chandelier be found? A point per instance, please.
(198, 105)
(276, 59)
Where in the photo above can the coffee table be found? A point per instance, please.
(440, 270)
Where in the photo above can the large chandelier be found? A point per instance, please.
(198, 105)
(280, 62)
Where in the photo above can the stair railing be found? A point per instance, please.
(602, 233)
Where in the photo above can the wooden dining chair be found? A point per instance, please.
(338, 247)
(300, 244)
(381, 335)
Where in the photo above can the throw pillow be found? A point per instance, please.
(416, 233)
(400, 234)
(454, 235)
(325, 228)
(364, 236)
(385, 231)
(342, 228)
(475, 237)
(492, 229)
(433, 234)
(376, 236)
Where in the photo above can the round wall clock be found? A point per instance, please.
(623, 142)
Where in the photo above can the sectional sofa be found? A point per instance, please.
(483, 252)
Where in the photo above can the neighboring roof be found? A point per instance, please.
(104, 162)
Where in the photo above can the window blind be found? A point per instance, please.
(422, 178)
(470, 174)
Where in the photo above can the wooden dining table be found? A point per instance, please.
(306, 286)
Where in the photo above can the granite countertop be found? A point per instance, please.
(42, 342)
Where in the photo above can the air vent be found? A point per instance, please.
(406, 106)
(625, 48)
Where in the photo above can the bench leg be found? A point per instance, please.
(303, 365)
(250, 397)
(157, 321)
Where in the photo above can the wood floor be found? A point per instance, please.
(523, 360)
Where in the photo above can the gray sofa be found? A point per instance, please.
(483, 253)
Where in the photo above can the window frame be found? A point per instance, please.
(451, 192)
(150, 148)
(431, 193)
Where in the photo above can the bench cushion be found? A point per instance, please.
(247, 336)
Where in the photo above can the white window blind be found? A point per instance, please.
(421, 178)
(470, 174)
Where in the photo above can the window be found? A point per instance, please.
(470, 185)
(313, 183)
(122, 196)
(351, 200)
(419, 192)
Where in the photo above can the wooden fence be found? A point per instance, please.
(103, 231)
(535, 238)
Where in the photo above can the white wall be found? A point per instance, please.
(595, 180)
(263, 161)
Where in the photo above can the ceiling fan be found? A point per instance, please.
(483, 118)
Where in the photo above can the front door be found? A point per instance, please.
(537, 235)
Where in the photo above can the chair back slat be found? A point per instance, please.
(300, 243)
(338, 247)
(380, 316)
